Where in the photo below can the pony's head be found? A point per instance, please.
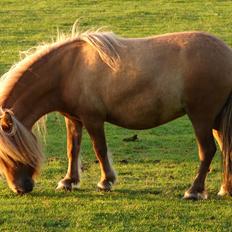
(20, 154)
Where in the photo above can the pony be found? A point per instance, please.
(135, 83)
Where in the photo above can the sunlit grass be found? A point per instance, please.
(159, 166)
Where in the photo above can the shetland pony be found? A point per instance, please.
(98, 77)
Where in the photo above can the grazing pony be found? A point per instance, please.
(98, 77)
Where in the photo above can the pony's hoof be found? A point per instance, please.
(105, 186)
(195, 196)
(223, 192)
(67, 185)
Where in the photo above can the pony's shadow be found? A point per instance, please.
(95, 194)
(129, 194)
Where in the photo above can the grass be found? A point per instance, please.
(161, 164)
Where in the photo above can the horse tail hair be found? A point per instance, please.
(226, 133)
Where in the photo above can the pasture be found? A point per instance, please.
(154, 170)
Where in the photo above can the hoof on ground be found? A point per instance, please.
(67, 185)
(223, 192)
(105, 186)
(195, 196)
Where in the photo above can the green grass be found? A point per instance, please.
(161, 164)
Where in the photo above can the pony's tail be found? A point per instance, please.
(226, 133)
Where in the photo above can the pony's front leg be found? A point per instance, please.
(97, 134)
(207, 149)
(74, 134)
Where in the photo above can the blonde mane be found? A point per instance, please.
(21, 145)
(105, 43)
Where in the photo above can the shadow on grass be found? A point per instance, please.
(146, 194)
(128, 194)
(86, 193)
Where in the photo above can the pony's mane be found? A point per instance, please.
(19, 145)
(104, 42)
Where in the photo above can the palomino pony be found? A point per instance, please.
(97, 77)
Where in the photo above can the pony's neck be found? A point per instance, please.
(34, 89)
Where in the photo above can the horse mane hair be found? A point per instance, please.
(106, 43)
(19, 145)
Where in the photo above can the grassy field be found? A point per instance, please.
(161, 163)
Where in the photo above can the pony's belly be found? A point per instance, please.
(143, 120)
(149, 102)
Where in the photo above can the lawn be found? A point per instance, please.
(153, 171)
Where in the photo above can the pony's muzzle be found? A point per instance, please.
(26, 187)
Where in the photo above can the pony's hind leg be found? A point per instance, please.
(74, 134)
(206, 150)
(217, 135)
(97, 134)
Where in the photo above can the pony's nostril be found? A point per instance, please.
(28, 189)
(28, 185)
(19, 191)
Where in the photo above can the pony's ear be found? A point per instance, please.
(6, 122)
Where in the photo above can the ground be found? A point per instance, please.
(153, 171)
